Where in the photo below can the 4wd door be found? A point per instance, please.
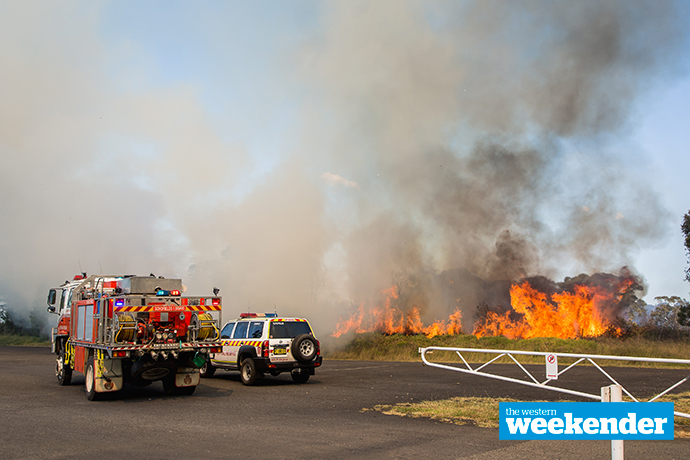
(223, 358)
(232, 346)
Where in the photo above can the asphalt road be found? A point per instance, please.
(327, 418)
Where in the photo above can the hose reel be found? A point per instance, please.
(202, 326)
(126, 327)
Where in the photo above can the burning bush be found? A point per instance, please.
(581, 307)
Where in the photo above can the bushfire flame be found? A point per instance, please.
(566, 315)
(389, 319)
(580, 312)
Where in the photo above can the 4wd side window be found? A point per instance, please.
(241, 330)
(227, 331)
(256, 329)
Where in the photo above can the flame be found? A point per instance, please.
(577, 313)
(567, 315)
(389, 319)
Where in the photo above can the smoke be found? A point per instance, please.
(486, 137)
(483, 138)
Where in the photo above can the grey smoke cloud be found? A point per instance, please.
(481, 138)
(490, 128)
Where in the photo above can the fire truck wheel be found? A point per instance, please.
(304, 348)
(62, 371)
(207, 370)
(299, 377)
(248, 372)
(91, 394)
(170, 389)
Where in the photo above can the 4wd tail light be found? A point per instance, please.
(318, 348)
(265, 349)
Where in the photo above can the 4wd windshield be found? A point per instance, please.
(289, 329)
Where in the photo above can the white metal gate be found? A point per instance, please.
(548, 383)
(612, 393)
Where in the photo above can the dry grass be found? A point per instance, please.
(483, 412)
(378, 347)
(460, 411)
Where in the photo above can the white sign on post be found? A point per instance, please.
(552, 367)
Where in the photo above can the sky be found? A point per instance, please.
(304, 156)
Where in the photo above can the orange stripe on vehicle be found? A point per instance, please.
(151, 308)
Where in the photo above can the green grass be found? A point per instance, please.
(377, 347)
(23, 341)
(483, 412)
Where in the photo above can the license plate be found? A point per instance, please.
(280, 351)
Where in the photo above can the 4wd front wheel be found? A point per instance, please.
(248, 372)
(299, 375)
(207, 370)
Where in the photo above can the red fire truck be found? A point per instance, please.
(134, 329)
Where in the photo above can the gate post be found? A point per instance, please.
(614, 393)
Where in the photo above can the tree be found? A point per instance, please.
(683, 314)
(7, 325)
(637, 312)
(666, 313)
(685, 228)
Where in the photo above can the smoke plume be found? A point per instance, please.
(484, 138)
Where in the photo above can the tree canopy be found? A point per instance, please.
(685, 227)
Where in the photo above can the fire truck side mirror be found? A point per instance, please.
(52, 298)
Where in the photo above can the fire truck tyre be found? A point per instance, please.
(299, 377)
(90, 372)
(304, 348)
(207, 370)
(62, 371)
(170, 389)
(248, 372)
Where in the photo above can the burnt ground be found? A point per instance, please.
(325, 418)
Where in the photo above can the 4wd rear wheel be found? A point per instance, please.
(248, 372)
(63, 371)
(91, 394)
(207, 370)
(304, 348)
(299, 377)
